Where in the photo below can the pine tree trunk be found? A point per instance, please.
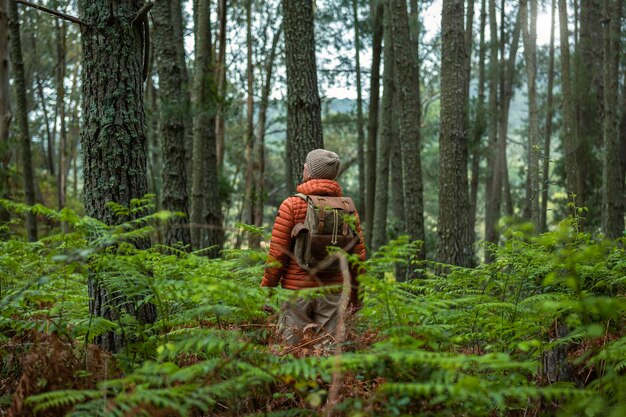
(63, 145)
(454, 233)
(178, 26)
(406, 77)
(545, 175)
(492, 200)
(221, 83)
(46, 119)
(385, 137)
(249, 198)
(21, 111)
(113, 140)
(480, 124)
(206, 213)
(262, 124)
(359, 107)
(5, 108)
(153, 138)
(376, 16)
(612, 181)
(568, 132)
(304, 120)
(587, 103)
(172, 114)
(530, 56)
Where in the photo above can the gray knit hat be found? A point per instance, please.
(322, 164)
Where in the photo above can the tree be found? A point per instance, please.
(568, 132)
(249, 192)
(454, 233)
(530, 56)
(172, 114)
(612, 180)
(548, 134)
(21, 111)
(63, 165)
(480, 123)
(5, 105)
(385, 136)
(304, 119)
(220, 68)
(406, 76)
(376, 18)
(112, 133)
(359, 106)
(206, 210)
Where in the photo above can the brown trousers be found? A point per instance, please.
(321, 313)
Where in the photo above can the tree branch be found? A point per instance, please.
(143, 12)
(53, 12)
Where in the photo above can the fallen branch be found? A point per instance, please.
(54, 13)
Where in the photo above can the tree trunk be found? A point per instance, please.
(221, 84)
(545, 177)
(480, 124)
(406, 76)
(46, 119)
(530, 56)
(587, 103)
(5, 108)
(376, 16)
(612, 181)
(21, 111)
(206, 213)
(249, 198)
(385, 138)
(113, 140)
(153, 138)
(262, 124)
(304, 120)
(178, 26)
(63, 145)
(492, 201)
(567, 130)
(454, 233)
(359, 107)
(172, 114)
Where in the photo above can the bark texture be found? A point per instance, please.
(376, 13)
(612, 180)
(454, 233)
(113, 140)
(304, 120)
(172, 114)
(406, 77)
(21, 113)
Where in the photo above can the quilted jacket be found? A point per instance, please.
(284, 269)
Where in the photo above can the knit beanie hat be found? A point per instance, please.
(322, 164)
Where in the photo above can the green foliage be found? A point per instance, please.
(457, 341)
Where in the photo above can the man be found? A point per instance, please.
(320, 170)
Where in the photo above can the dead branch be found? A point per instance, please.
(54, 13)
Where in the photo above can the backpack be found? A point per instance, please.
(327, 223)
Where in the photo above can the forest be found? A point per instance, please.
(149, 150)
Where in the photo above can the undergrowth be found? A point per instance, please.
(540, 331)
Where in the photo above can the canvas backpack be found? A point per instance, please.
(327, 223)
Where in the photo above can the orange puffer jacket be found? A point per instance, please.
(293, 211)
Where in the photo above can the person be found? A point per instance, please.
(320, 170)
